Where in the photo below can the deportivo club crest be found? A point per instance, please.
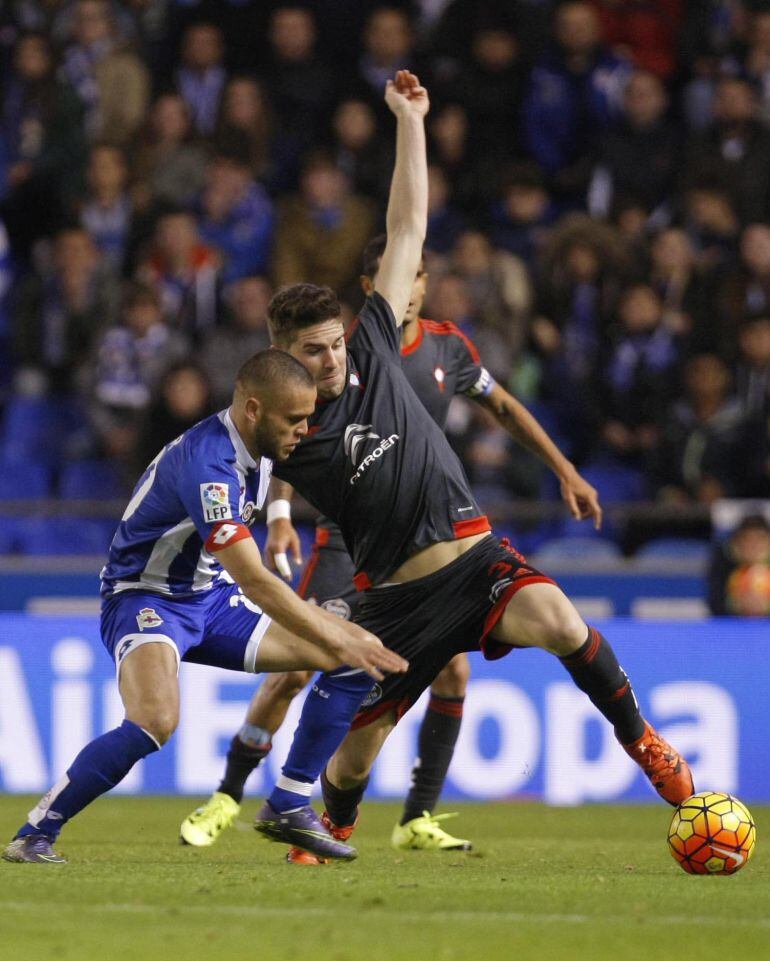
(147, 617)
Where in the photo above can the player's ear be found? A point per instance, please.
(254, 409)
(367, 285)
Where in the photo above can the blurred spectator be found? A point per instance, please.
(645, 32)
(640, 374)
(739, 574)
(201, 76)
(245, 112)
(472, 178)
(225, 348)
(359, 151)
(745, 289)
(711, 223)
(734, 153)
(322, 230)
(489, 87)
(686, 293)
(300, 85)
(60, 311)
(106, 209)
(236, 214)
(131, 357)
(445, 221)
(499, 288)
(388, 42)
(497, 467)
(42, 143)
(753, 368)
(126, 369)
(521, 217)
(169, 166)
(184, 398)
(638, 155)
(756, 60)
(574, 94)
(705, 451)
(579, 281)
(185, 271)
(449, 299)
(110, 80)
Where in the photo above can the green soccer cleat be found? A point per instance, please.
(203, 827)
(426, 834)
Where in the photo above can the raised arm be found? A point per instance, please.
(581, 498)
(407, 217)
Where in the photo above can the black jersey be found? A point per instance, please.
(439, 363)
(376, 463)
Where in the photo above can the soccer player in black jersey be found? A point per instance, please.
(439, 362)
(435, 579)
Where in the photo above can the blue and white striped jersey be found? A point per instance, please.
(205, 483)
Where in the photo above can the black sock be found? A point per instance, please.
(595, 670)
(435, 747)
(242, 758)
(342, 804)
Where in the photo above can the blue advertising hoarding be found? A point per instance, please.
(527, 731)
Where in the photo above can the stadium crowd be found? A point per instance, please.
(599, 218)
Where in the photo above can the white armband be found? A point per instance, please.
(278, 509)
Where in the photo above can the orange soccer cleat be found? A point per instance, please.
(667, 770)
(298, 856)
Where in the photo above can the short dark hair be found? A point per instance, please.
(272, 369)
(373, 254)
(299, 306)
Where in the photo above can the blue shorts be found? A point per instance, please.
(219, 627)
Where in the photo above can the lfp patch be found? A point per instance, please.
(148, 617)
(215, 500)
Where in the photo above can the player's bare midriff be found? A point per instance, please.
(433, 558)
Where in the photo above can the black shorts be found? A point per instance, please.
(328, 576)
(430, 620)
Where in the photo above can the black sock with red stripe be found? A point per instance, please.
(595, 670)
(435, 746)
(342, 803)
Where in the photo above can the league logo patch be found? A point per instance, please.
(336, 605)
(215, 500)
(147, 617)
(248, 511)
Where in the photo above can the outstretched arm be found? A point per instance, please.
(346, 642)
(581, 498)
(407, 217)
(282, 538)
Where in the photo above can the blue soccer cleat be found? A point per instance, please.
(32, 849)
(302, 829)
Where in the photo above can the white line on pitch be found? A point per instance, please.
(418, 916)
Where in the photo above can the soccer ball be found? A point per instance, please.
(711, 833)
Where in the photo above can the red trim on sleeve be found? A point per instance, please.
(476, 525)
(446, 328)
(225, 534)
(322, 536)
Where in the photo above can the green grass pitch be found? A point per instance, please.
(594, 882)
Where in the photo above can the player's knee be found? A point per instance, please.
(564, 630)
(161, 723)
(453, 680)
(289, 685)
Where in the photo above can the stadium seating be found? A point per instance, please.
(90, 480)
(65, 535)
(576, 549)
(673, 549)
(32, 482)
